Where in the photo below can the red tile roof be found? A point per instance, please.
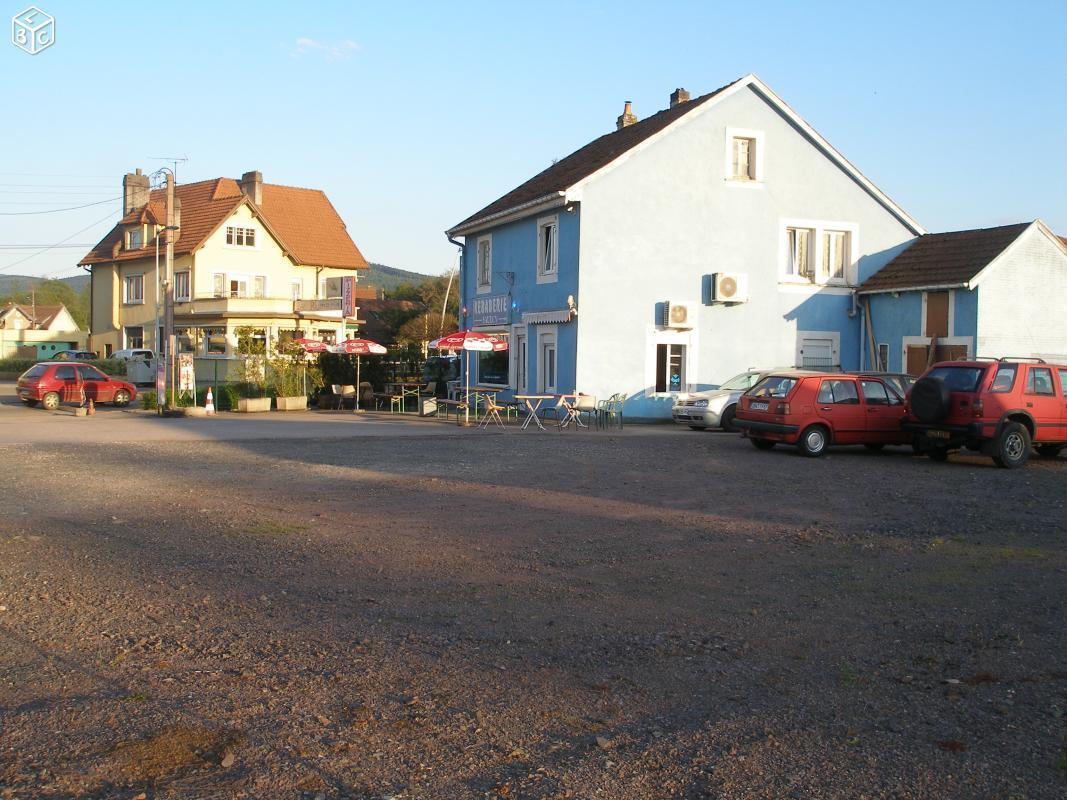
(584, 162)
(303, 220)
(944, 259)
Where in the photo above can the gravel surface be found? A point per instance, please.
(528, 616)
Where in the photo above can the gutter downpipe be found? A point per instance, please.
(462, 322)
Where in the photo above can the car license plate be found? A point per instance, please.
(938, 434)
(756, 406)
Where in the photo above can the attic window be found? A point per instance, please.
(240, 237)
(134, 238)
(744, 159)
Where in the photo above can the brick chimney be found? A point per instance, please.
(626, 118)
(252, 185)
(135, 191)
(679, 96)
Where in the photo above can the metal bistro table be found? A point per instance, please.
(406, 389)
(533, 404)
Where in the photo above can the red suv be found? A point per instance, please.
(999, 408)
(816, 410)
(50, 383)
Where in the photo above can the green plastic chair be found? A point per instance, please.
(609, 412)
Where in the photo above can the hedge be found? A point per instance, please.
(225, 398)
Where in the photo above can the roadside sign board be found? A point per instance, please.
(186, 373)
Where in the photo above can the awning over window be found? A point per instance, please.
(546, 317)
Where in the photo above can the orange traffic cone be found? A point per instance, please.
(209, 403)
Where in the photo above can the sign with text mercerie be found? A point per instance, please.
(348, 296)
(493, 309)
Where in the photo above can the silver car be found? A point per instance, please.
(715, 408)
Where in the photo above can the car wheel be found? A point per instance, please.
(874, 447)
(30, 403)
(122, 398)
(1013, 446)
(727, 419)
(50, 401)
(762, 444)
(814, 441)
(696, 427)
(1049, 450)
(939, 454)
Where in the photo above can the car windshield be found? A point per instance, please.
(958, 379)
(773, 386)
(741, 382)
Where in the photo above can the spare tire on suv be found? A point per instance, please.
(930, 399)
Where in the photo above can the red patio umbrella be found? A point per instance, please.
(357, 348)
(470, 340)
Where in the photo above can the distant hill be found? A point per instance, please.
(388, 278)
(11, 283)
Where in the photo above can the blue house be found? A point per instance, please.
(720, 234)
(965, 294)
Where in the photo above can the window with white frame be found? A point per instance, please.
(744, 159)
(800, 264)
(670, 367)
(238, 286)
(484, 254)
(135, 288)
(182, 286)
(259, 286)
(836, 256)
(547, 249)
(218, 284)
(238, 236)
(135, 238)
(296, 288)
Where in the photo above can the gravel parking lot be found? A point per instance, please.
(655, 614)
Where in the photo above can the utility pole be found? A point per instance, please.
(168, 292)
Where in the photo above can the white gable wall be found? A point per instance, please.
(1021, 301)
(657, 223)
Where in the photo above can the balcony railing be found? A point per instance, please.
(237, 303)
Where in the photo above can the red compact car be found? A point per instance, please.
(51, 383)
(814, 410)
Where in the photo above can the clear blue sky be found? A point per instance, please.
(412, 116)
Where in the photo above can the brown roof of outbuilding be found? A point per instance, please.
(944, 259)
(585, 161)
(303, 220)
(44, 313)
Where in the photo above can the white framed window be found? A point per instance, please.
(800, 264)
(520, 355)
(818, 252)
(296, 288)
(547, 249)
(134, 289)
(135, 238)
(134, 336)
(818, 349)
(218, 284)
(547, 359)
(330, 288)
(744, 156)
(238, 285)
(259, 286)
(836, 256)
(670, 367)
(239, 236)
(484, 267)
(182, 286)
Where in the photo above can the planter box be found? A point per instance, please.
(249, 405)
(291, 403)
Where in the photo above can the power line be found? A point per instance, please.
(57, 244)
(39, 246)
(55, 210)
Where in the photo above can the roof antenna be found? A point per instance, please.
(175, 160)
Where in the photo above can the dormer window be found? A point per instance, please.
(240, 237)
(135, 238)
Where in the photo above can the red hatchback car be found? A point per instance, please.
(51, 383)
(816, 410)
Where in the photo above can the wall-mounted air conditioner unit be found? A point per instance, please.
(679, 315)
(729, 287)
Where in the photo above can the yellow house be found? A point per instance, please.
(246, 254)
